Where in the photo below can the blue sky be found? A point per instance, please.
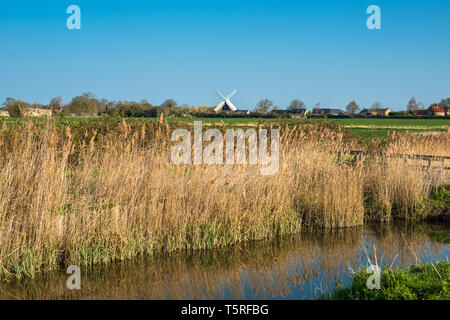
(317, 51)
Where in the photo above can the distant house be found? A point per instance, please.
(299, 116)
(302, 111)
(280, 112)
(421, 113)
(376, 112)
(384, 112)
(294, 113)
(4, 114)
(437, 110)
(38, 112)
(326, 111)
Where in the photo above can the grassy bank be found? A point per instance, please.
(437, 206)
(420, 282)
(96, 191)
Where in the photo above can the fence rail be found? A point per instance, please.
(358, 154)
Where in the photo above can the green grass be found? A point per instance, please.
(437, 205)
(386, 122)
(369, 134)
(420, 282)
(367, 129)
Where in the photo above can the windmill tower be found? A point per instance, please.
(225, 104)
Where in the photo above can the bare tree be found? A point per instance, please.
(264, 105)
(296, 104)
(316, 108)
(376, 106)
(413, 106)
(56, 102)
(352, 107)
(445, 103)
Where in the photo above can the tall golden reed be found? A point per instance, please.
(85, 194)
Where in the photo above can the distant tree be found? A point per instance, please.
(169, 103)
(56, 102)
(376, 106)
(352, 107)
(264, 105)
(102, 105)
(84, 104)
(17, 108)
(413, 106)
(316, 108)
(445, 103)
(275, 108)
(296, 104)
(8, 101)
(205, 109)
(109, 106)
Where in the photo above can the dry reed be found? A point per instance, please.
(84, 195)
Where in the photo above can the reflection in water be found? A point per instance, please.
(297, 267)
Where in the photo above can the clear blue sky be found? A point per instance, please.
(317, 51)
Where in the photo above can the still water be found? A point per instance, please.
(302, 266)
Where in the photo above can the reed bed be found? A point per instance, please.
(93, 193)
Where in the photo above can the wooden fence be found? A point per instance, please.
(357, 156)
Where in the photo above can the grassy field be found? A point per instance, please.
(393, 123)
(367, 129)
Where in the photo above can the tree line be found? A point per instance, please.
(88, 104)
(266, 105)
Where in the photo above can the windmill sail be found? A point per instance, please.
(219, 106)
(225, 104)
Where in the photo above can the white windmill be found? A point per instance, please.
(226, 104)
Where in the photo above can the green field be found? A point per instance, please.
(365, 128)
(369, 129)
(386, 122)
